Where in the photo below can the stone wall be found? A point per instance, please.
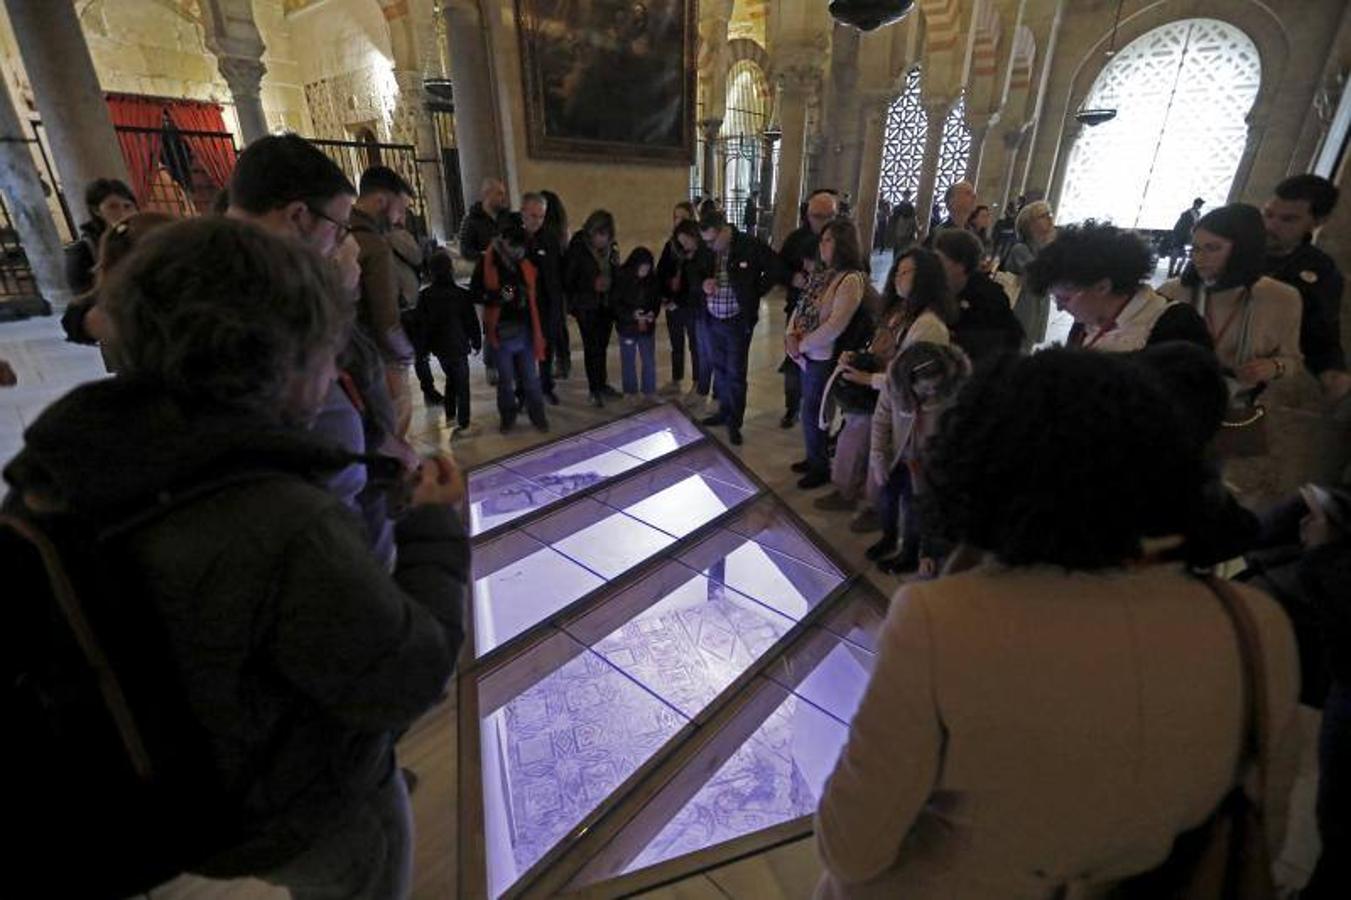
(346, 66)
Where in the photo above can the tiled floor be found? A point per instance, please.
(47, 366)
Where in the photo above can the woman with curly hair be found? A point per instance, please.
(1054, 717)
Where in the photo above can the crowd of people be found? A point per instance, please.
(1059, 693)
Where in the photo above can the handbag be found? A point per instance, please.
(1243, 431)
(1226, 857)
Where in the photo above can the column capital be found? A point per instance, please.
(799, 78)
(243, 74)
(710, 128)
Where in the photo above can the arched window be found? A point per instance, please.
(953, 153)
(903, 145)
(1182, 93)
(742, 136)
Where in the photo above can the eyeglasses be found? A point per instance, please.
(341, 229)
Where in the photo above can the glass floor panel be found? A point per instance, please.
(519, 582)
(572, 465)
(782, 582)
(560, 729)
(683, 637)
(680, 495)
(497, 496)
(649, 435)
(607, 542)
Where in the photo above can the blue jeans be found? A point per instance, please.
(367, 857)
(642, 344)
(516, 356)
(729, 345)
(703, 359)
(814, 378)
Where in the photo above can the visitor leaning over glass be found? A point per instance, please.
(812, 330)
(916, 307)
(1055, 716)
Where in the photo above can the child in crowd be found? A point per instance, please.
(511, 322)
(449, 326)
(637, 300)
(922, 381)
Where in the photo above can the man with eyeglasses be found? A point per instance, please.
(798, 256)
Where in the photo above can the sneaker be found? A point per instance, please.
(789, 419)
(834, 502)
(813, 480)
(865, 521)
(802, 467)
(734, 435)
(551, 397)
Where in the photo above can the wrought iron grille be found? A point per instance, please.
(183, 182)
(16, 276)
(354, 157)
(903, 148)
(742, 138)
(953, 153)
(1182, 93)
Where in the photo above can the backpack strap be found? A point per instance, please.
(73, 614)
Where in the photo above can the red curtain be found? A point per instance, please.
(216, 153)
(140, 149)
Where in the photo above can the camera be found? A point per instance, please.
(869, 15)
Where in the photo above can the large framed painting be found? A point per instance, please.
(610, 80)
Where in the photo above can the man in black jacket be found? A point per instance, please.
(986, 325)
(731, 273)
(477, 231)
(543, 250)
(299, 656)
(1300, 205)
(797, 257)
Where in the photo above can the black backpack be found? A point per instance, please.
(113, 789)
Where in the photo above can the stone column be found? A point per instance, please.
(1257, 129)
(980, 124)
(27, 204)
(471, 73)
(709, 129)
(937, 112)
(74, 114)
(244, 75)
(417, 125)
(767, 175)
(796, 85)
(1013, 142)
(874, 111)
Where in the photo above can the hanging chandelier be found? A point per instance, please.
(1093, 117)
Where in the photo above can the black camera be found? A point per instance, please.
(869, 15)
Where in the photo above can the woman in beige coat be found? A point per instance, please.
(1056, 716)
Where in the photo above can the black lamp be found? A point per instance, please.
(869, 15)
(1098, 115)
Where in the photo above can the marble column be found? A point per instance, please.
(1257, 129)
(1013, 142)
(980, 125)
(708, 130)
(874, 112)
(244, 75)
(937, 112)
(471, 73)
(29, 211)
(417, 125)
(74, 114)
(767, 178)
(796, 85)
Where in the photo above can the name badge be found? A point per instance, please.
(744, 265)
(1308, 276)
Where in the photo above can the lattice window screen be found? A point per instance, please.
(954, 153)
(742, 136)
(903, 153)
(1182, 92)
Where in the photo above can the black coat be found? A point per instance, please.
(476, 232)
(580, 270)
(631, 296)
(799, 247)
(986, 325)
(1313, 273)
(446, 320)
(671, 267)
(301, 657)
(752, 267)
(544, 251)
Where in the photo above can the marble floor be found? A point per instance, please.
(47, 366)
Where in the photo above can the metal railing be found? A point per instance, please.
(354, 157)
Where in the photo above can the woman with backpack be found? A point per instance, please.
(637, 300)
(811, 337)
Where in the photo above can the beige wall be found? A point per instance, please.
(346, 65)
(639, 196)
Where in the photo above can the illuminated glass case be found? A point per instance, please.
(663, 663)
